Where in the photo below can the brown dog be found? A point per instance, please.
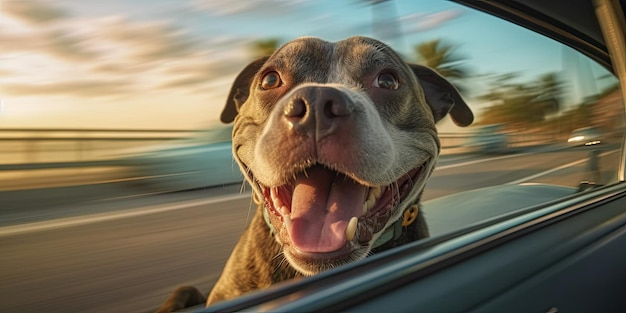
(337, 141)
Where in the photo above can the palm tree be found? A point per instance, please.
(440, 57)
(521, 104)
(264, 47)
(550, 92)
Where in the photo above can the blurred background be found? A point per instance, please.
(117, 182)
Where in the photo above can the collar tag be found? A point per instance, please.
(410, 215)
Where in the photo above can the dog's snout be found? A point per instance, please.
(296, 108)
(319, 109)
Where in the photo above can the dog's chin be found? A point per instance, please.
(324, 219)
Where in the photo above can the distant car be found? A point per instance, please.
(204, 160)
(586, 136)
(490, 139)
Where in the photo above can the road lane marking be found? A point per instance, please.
(104, 217)
(527, 178)
(445, 167)
(448, 158)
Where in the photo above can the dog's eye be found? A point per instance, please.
(270, 80)
(387, 81)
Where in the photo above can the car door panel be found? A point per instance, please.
(591, 280)
(538, 270)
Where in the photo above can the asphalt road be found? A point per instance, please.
(113, 248)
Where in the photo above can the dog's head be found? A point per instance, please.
(337, 140)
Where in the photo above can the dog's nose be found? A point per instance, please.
(317, 108)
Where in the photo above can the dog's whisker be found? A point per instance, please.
(251, 207)
(242, 189)
(279, 254)
(396, 194)
(282, 262)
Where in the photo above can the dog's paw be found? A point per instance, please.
(182, 297)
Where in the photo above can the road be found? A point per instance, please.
(111, 248)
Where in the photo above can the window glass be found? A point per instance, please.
(110, 132)
(545, 113)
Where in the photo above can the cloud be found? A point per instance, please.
(422, 22)
(149, 41)
(258, 7)
(185, 82)
(57, 44)
(196, 77)
(67, 46)
(203, 72)
(6, 73)
(80, 88)
(116, 54)
(32, 11)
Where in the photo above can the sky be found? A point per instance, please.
(168, 64)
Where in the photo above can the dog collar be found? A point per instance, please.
(395, 231)
(392, 233)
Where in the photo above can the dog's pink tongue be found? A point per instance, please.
(322, 205)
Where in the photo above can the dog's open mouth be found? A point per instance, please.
(323, 211)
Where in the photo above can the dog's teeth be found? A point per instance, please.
(284, 211)
(275, 199)
(287, 222)
(351, 229)
(375, 192)
(370, 203)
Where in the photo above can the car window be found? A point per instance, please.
(82, 83)
(549, 122)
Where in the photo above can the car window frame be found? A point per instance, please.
(612, 20)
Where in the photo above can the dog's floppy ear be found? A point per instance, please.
(240, 90)
(442, 97)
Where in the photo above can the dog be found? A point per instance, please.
(337, 140)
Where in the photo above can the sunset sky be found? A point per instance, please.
(167, 64)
